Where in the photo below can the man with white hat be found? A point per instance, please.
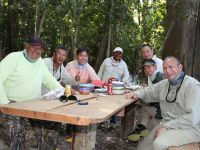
(114, 67)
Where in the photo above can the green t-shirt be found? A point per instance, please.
(21, 79)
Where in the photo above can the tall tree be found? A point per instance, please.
(40, 13)
(12, 25)
(182, 36)
(74, 23)
(110, 28)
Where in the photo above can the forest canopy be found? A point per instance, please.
(100, 25)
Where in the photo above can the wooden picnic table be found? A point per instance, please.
(99, 109)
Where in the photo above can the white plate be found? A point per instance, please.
(118, 88)
(133, 87)
(102, 90)
(117, 84)
(117, 92)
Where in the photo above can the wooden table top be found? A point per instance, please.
(98, 109)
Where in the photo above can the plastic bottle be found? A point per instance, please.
(68, 90)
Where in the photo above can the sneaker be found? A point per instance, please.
(144, 133)
(68, 139)
(133, 138)
(139, 132)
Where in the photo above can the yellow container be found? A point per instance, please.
(68, 90)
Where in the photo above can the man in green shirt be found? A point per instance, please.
(22, 74)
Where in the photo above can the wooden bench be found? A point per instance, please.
(192, 146)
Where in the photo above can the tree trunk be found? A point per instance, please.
(110, 29)
(182, 33)
(144, 21)
(78, 8)
(40, 17)
(102, 49)
(12, 26)
(76, 37)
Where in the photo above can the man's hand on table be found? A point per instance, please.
(132, 96)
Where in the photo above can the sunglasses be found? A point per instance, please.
(65, 99)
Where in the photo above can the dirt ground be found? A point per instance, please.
(107, 138)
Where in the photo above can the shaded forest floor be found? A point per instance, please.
(107, 138)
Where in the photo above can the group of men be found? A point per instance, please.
(24, 74)
(178, 97)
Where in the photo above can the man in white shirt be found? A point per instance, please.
(147, 53)
(57, 69)
(114, 67)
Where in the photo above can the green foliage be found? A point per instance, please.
(74, 23)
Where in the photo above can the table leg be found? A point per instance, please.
(127, 122)
(85, 137)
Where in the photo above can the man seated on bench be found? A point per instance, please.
(179, 97)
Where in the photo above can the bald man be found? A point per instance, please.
(179, 97)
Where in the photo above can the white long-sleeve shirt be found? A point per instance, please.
(184, 113)
(110, 68)
(159, 64)
(61, 75)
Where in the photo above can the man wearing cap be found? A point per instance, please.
(150, 70)
(148, 110)
(21, 77)
(57, 69)
(114, 67)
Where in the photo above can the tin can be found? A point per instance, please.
(109, 87)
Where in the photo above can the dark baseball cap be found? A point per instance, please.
(35, 41)
(148, 62)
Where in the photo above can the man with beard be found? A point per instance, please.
(22, 74)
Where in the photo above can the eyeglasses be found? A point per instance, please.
(37, 48)
(65, 99)
(172, 93)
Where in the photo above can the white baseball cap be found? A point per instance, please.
(118, 49)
